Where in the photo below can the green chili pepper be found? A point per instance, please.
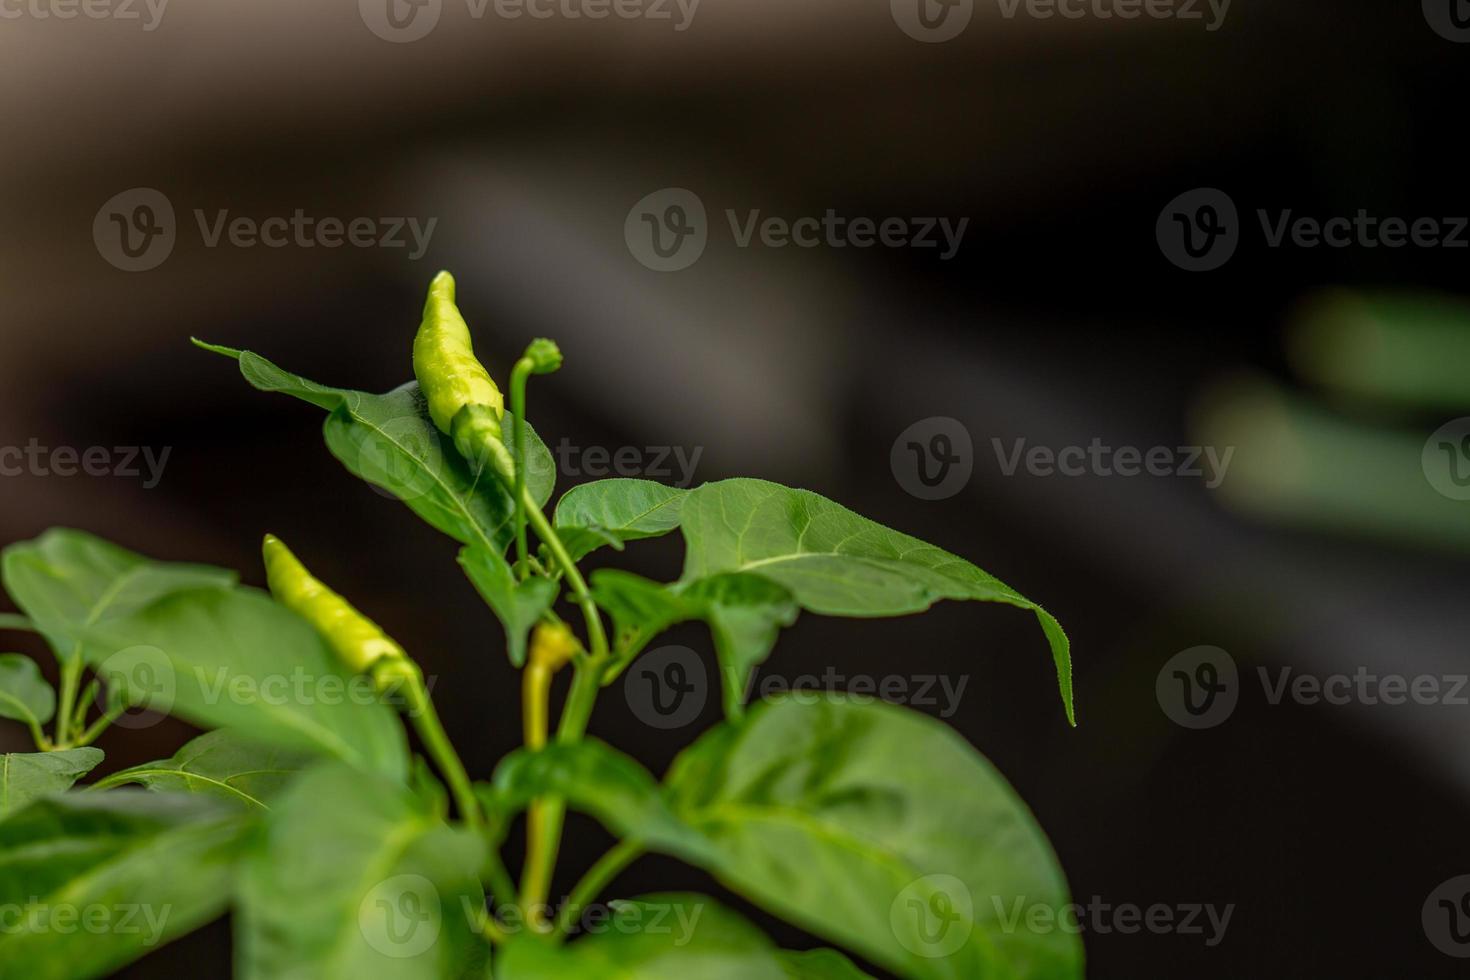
(463, 400)
(444, 360)
(359, 642)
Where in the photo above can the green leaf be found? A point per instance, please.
(865, 823)
(69, 581)
(517, 604)
(598, 780)
(835, 562)
(881, 829)
(235, 659)
(24, 694)
(745, 614)
(653, 937)
(221, 764)
(614, 511)
(820, 964)
(390, 441)
(358, 878)
(27, 776)
(103, 879)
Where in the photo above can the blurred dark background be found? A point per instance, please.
(1060, 320)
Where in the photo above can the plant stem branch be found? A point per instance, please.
(546, 816)
(518, 376)
(608, 867)
(71, 676)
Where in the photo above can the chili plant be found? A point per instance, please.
(343, 855)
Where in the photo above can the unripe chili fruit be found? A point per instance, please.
(444, 360)
(358, 641)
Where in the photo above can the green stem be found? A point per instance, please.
(608, 867)
(431, 730)
(71, 677)
(86, 698)
(98, 727)
(38, 736)
(426, 720)
(518, 376)
(547, 816)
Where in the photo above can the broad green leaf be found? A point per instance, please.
(358, 878)
(653, 937)
(24, 694)
(836, 562)
(868, 824)
(517, 604)
(880, 829)
(614, 511)
(102, 879)
(27, 776)
(233, 658)
(69, 581)
(221, 764)
(389, 441)
(598, 780)
(745, 614)
(820, 964)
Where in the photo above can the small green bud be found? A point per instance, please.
(544, 355)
